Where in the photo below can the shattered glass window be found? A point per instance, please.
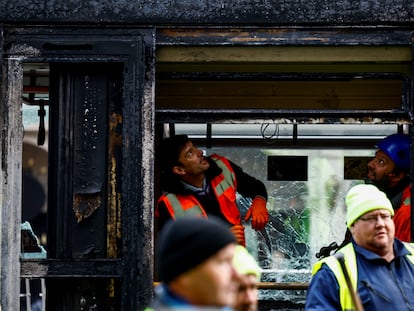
(305, 215)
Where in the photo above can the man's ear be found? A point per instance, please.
(352, 229)
(178, 170)
(396, 177)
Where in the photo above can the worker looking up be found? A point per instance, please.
(206, 185)
(389, 171)
(381, 268)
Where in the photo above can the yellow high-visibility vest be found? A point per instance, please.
(348, 250)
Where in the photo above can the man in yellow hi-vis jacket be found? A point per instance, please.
(380, 267)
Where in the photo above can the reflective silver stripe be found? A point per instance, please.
(179, 211)
(410, 247)
(228, 181)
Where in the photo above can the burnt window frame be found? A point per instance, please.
(135, 50)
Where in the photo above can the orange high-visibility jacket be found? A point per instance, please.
(402, 217)
(224, 187)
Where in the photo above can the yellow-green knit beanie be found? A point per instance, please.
(362, 199)
(245, 263)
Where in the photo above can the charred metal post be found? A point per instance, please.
(10, 178)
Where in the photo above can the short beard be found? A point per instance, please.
(382, 184)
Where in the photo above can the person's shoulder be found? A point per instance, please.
(215, 157)
(212, 160)
(409, 246)
(323, 275)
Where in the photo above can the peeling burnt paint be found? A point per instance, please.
(281, 36)
(33, 269)
(89, 134)
(114, 195)
(22, 49)
(85, 204)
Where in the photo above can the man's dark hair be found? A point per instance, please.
(169, 151)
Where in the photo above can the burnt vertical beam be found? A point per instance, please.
(137, 175)
(148, 150)
(60, 153)
(10, 179)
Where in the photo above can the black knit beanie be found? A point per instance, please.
(186, 242)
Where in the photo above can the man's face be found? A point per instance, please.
(247, 295)
(192, 160)
(380, 169)
(214, 282)
(375, 232)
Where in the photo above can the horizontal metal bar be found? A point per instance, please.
(105, 268)
(307, 116)
(279, 76)
(283, 285)
(275, 285)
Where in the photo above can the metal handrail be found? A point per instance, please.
(275, 285)
(283, 285)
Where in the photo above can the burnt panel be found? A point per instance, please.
(90, 131)
(87, 93)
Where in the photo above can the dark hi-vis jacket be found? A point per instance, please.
(224, 186)
(381, 285)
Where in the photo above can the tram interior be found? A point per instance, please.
(306, 167)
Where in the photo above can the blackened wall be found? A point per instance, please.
(176, 12)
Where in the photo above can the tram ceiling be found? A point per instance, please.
(307, 83)
(338, 84)
(313, 98)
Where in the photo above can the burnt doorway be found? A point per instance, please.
(95, 228)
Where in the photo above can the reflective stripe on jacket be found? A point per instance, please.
(351, 265)
(224, 186)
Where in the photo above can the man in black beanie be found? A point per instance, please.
(195, 265)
